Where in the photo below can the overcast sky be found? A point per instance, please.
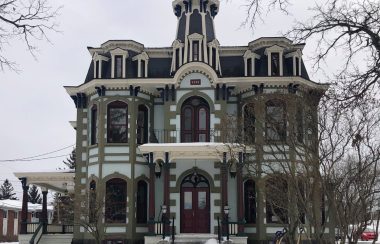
(35, 108)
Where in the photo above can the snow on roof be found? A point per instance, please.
(17, 204)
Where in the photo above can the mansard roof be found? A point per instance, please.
(231, 58)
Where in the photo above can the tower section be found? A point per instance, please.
(195, 37)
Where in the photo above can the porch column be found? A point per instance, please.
(240, 194)
(224, 182)
(166, 169)
(44, 217)
(24, 209)
(152, 181)
(224, 197)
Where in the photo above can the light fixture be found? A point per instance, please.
(163, 209)
(226, 209)
(233, 168)
(157, 170)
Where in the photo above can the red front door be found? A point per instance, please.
(195, 204)
(195, 209)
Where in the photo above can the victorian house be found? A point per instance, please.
(153, 128)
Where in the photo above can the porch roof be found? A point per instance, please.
(193, 150)
(59, 181)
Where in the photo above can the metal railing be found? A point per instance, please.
(59, 229)
(178, 136)
(37, 234)
(32, 227)
(50, 228)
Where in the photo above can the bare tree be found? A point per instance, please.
(92, 220)
(319, 168)
(348, 28)
(351, 28)
(27, 20)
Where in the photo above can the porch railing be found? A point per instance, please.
(32, 228)
(37, 234)
(178, 136)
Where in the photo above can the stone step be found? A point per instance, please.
(195, 238)
(56, 239)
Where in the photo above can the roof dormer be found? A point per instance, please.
(275, 60)
(297, 61)
(249, 62)
(142, 64)
(99, 60)
(118, 67)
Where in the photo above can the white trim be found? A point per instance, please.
(121, 52)
(275, 49)
(142, 56)
(294, 55)
(253, 56)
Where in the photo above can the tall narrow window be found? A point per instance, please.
(250, 201)
(195, 120)
(275, 64)
(195, 50)
(249, 123)
(118, 66)
(142, 202)
(94, 210)
(214, 58)
(94, 125)
(275, 121)
(116, 201)
(142, 125)
(142, 68)
(177, 58)
(97, 67)
(249, 67)
(117, 122)
(297, 66)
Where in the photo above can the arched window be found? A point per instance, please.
(250, 201)
(195, 120)
(142, 202)
(142, 125)
(275, 120)
(94, 125)
(93, 208)
(276, 191)
(116, 201)
(117, 122)
(249, 123)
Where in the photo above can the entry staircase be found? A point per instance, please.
(39, 233)
(193, 238)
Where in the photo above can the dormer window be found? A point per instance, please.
(195, 45)
(142, 64)
(296, 62)
(118, 66)
(275, 64)
(178, 50)
(195, 50)
(119, 57)
(213, 54)
(275, 60)
(99, 61)
(249, 62)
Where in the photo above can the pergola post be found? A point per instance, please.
(44, 217)
(24, 210)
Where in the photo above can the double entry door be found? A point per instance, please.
(195, 210)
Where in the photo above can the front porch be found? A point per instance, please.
(43, 232)
(194, 188)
